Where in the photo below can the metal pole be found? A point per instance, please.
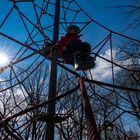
(53, 75)
(90, 120)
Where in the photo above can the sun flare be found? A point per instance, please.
(4, 60)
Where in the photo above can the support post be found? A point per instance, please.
(53, 75)
(92, 131)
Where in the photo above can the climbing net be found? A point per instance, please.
(25, 27)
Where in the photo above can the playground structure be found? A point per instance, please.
(61, 98)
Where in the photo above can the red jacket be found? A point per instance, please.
(66, 40)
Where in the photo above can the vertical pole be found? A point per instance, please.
(90, 120)
(105, 131)
(53, 75)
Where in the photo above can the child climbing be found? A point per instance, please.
(73, 50)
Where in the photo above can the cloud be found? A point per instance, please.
(103, 69)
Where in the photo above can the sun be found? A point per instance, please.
(4, 59)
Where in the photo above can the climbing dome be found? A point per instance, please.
(38, 91)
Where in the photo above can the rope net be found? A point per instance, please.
(25, 27)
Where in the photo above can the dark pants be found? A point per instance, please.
(73, 47)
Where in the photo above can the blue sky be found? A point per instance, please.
(97, 9)
(113, 18)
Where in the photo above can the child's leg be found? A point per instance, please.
(69, 51)
(82, 58)
(85, 47)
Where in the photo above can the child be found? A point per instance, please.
(73, 50)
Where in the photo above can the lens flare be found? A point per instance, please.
(4, 60)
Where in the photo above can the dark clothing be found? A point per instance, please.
(72, 47)
(69, 44)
